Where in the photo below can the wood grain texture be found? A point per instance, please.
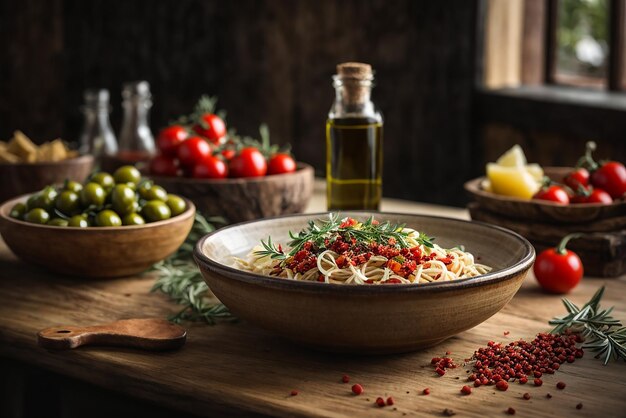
(264, 197)
(267, 61)
(231, 369)
(143, 333)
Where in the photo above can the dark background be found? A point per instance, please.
(267, 61)
(272, 61)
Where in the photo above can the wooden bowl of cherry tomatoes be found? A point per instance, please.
(238, 179)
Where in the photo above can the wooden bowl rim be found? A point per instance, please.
(473, 187)
(86, 158)
(292, 285)
(5, 208)
(301, 169)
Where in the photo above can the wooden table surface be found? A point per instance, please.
(233, 368)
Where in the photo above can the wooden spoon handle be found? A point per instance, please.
(147, 334)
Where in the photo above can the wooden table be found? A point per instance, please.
(235, 368)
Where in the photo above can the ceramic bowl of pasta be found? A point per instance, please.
(364, 282)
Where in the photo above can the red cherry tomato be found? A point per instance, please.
(228, 153)
(170, 138)
(210, 168)
(211, 126)
(248, 163)
(611, 177)
(599, 196)
(193, 151)
(162, 165)
(577, 178)
(558, 270)
(281, 163)
(554, 194)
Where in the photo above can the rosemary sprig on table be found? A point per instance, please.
(181, 280)
(319, 232)
(597, 326)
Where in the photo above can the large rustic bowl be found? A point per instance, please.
(245, 199)
(363, 318)
(541, 210)
(17, 179)
(94, 251)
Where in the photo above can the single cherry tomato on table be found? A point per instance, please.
(210, 168)
(575, 179)
(193, 151)
(162, 165)
(170, 139)
(211, 126)
(554, 194)
(281, 163)
(248, 163)
(559, 270)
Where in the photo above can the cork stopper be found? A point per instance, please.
(356, 78)
(356, 70)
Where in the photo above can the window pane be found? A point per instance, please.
(582, 42)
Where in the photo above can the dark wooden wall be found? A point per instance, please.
(266, 60)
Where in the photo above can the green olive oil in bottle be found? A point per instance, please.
(354, 133)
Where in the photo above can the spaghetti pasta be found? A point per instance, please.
(346, 251)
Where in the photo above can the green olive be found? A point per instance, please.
(103, 179)
(127, 174)
(153, 192)
(44, 199)
(92, 194)
(78, 221)
(37, 216)
(58, 222)
(156, 210)
(18, 211)
(133, 219)
(176, 204)
(68, 202)
(108, 218)
(123, 199)
(73, 186)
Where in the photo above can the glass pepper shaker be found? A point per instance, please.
(354, 138)
(136, 140)
(97, 137)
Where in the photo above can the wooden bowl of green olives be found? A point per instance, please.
(110, 226)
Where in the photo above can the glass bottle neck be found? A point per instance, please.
(353, 99)
(135, 135)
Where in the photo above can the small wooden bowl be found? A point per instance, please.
(94, 251)
(245, 199)
(540, 210)
(17, 179)
(361, 318)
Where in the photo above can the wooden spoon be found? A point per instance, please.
(147, 334)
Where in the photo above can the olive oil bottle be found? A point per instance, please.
(354, 142)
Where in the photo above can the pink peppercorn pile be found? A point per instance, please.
(520, 359)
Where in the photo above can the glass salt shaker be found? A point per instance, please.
(97, 137)
(136, 140)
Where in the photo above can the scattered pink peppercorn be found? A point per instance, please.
(466, 390)
(548, 395)
(390, 401)
(510, 411)
(294, 392)
(426, 391)
(538, 382)
(345, 378)
(357, 389)
(502, 385)
(380, 402)
(560, 385)
(526, 396)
